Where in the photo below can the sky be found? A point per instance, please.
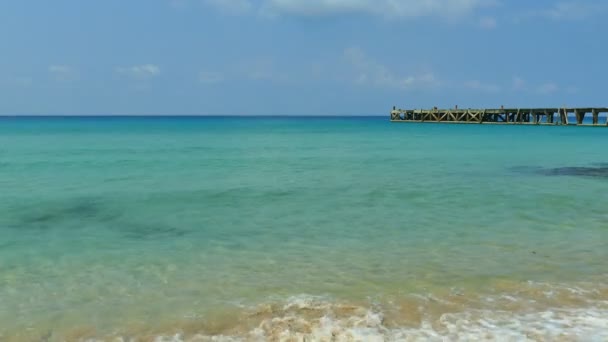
(298, 57)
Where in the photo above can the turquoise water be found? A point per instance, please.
(293, 228)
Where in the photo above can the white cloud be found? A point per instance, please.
(573, 10)
(488, 23)
(382, 8)
(483, 87)
(60, 69)
(140, 72)
(63, 73)
(260, 74)
(370, 72)
(178, 3)
(518, 83)
(569, 10)
(261, 69)
(210, 77)
(548, 88)
(258, 69)
(231, 6)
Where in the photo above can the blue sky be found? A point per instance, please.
(298, 57)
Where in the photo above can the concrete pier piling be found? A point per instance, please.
(515, 116)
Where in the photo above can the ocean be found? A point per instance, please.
(301, 229)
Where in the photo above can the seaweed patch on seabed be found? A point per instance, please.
(48, 215)
(87, 212)
(139, 231)
(599, 170)
(595, 172)
(54, 213)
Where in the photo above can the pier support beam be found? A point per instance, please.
(580, 116)
(596, 115)
(549, 116)
(564, 116)
(395, 114)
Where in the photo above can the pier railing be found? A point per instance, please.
(521, 116)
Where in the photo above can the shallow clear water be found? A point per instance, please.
(276, 228)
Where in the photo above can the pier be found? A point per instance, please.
(513, 116)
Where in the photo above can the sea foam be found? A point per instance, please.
(311, 319)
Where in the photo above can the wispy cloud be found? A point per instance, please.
(261, 69)
(230, 6)
(369, 72)
(210, 77)
(178, 3)
(139, 72)
(548, 88)
(574, 10)
(63, 73)
(382, 8)
(570, 10)
(483, 87)
(256, 69)
(518, 83)
(60, 69)
(488, 23)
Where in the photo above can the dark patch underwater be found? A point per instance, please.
(84, 213)
(599, 170)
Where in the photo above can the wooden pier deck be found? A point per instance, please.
(515, 116)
